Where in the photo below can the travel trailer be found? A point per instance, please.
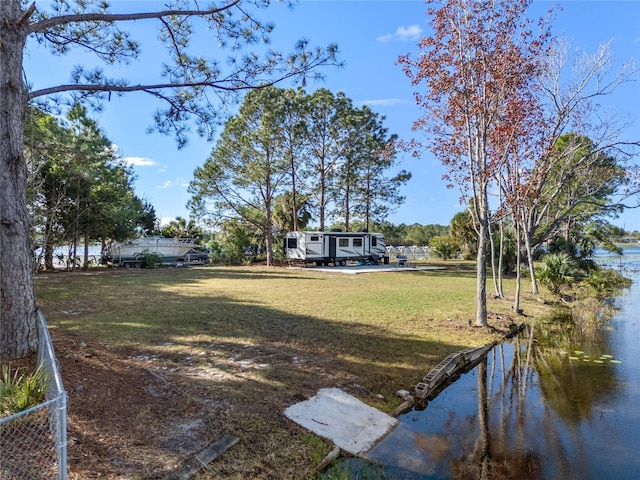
(324, 248)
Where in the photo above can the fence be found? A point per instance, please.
(33, 443)
(412, 253)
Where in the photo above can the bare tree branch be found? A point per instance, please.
(42, 26)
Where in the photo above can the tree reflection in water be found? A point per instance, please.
(560, 401)
(527, 411)
(499, 454)
(528, 416)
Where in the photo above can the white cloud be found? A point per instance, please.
(384, 102)
(139, 161)
(166, 221)
(178, 182)
(412, 32)
(403, 34)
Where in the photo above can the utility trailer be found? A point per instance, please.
(324, 248)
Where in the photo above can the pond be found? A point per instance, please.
(558, 404)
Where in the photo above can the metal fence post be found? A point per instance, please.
(61, 444)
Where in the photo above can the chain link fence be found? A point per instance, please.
(33, 443)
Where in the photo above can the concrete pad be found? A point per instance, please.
(356, 269)
(351, 424)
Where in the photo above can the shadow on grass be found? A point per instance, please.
(157, 357)
(135, 309)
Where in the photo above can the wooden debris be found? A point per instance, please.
(204, 457)
(448, 368)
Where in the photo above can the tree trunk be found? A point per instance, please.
(493, 266)
(516, 302)
(85, 254)
(567, 238)
(18, 336)
(294, 193)
(481, 272)
(501, 260)
(269, 246)
(526, 231)
(322, 200)
(347, 217)
(48, 243)
(268, 227)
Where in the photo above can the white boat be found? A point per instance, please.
(170, 250)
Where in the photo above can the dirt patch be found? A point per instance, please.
(120, 414)
(140, 416)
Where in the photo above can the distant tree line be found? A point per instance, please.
(289, 158)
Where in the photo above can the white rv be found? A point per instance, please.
(323, 248)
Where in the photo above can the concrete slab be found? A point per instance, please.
(351, 424)
(356, 269)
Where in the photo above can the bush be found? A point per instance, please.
(557, 271)
(444, 246)
(150, 259)
(19, 391)
(602, 283)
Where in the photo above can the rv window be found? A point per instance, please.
(314, 238)
(357, 242)
(292, 242)
(374, 241)
(343, 242)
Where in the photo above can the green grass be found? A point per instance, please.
(389, 327)
(396, 320)
(262, 338)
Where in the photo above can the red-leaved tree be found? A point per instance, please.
(476, 71)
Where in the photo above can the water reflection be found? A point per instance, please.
(554, 403)
(576, 370)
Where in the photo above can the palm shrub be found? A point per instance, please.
(557, 271)
(444, 246)
(603, 282)
(20, 391)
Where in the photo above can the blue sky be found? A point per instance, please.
(371, 35)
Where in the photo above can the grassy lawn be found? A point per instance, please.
(241, 344)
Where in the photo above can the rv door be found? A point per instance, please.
(332, 246)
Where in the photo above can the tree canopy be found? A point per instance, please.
(263, 157)
(192, 86)
(506, 111)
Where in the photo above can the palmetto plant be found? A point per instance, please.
(557, 271)
(20, 391)
(602, 283)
